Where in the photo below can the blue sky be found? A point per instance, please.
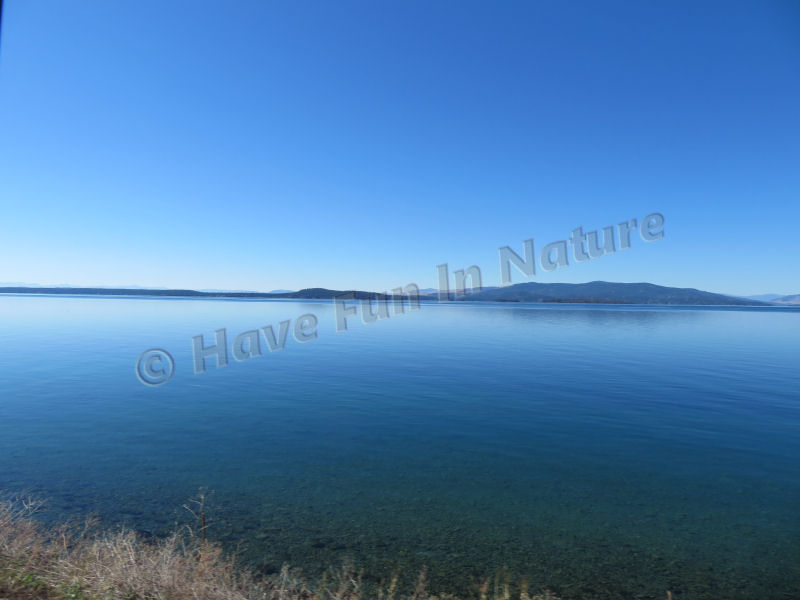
(263, 145)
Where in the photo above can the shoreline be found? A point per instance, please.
(426, 300)
(86, 562)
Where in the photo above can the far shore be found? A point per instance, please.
(677, 297)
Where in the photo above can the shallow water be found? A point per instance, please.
(604, 451)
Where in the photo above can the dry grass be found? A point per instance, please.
(86, 563)
(83, 563)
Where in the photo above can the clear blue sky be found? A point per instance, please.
(262, 145)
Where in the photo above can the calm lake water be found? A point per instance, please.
(604, 451)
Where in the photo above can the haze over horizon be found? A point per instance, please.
(262, 146)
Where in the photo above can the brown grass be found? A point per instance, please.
(84, 563)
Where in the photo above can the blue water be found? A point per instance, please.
(601, 451)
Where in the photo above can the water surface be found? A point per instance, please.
(604, 451)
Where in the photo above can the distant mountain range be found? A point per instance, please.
(793, 299)
(607, 293)
(310, 293)
(776, 298)
(594, 292)
(762, 297)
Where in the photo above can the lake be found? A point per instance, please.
(603, 451)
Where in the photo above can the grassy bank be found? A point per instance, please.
(82, 562)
